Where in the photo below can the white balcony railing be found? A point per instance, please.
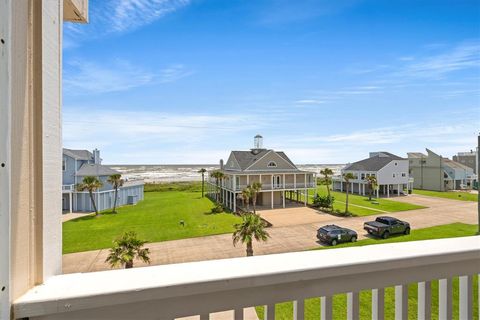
(68, 187)
(201, 288)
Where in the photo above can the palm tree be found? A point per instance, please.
(372, 185)
(126, 249)
(246, 195)
(116, 181)
(327, 173)
(202, 171)
(255, 189)
(347, 177)
(218, 175)
(251, 228)
(90, 184)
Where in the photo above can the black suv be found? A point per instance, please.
(333, 234)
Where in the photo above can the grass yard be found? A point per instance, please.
(361, 206)
(284, 311)
(157, 218)
(455, 195)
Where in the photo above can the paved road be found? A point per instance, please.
(283, 238)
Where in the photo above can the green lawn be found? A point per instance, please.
(455, 195)
(383, 204)
(284, 311)
(157, 218)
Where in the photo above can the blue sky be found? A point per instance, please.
(186, 81)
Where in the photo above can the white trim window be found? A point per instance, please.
(272, 164)
(64, 165)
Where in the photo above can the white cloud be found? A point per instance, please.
(119, 16)
(86, 77)
(463, 56)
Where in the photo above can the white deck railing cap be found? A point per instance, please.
(174, 279)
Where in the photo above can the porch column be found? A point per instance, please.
(283, 183)
(341, 186)
(248, 179)
(305, 181)
(260, 178)
(234, 202)
(283, 198)
(398, 192)
(351, 187)
(378, 191)
(388, 191)
(306, 197)
(272, 201)
(295, 181)
(234, 186)
(71, 201)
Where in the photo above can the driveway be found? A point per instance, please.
(283, 238)
(293, 216)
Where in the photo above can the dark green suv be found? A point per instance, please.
(333, 234)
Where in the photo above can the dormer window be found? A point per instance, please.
(272, 164)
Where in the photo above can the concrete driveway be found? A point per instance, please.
(293, 216)
(283, 238)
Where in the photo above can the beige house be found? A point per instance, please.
(434, 172)
(282, 182)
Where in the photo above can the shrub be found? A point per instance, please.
(218, 208)
(323, 201)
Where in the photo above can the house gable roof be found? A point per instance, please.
(90, 169)
(247, 159)
(374, 163)
(78, 154)
(456, 165)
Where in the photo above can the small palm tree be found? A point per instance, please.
(90, 184)
(327, 173)
(126, 249)
(116, 181)
(218, 175)
(255, 189)
(246, 195)
(202, 171)
(372, 185)
(251, 228)
(347, 177)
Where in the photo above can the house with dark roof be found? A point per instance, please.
(431, 171)
(283, 184)
(391, 172)
(77, 164)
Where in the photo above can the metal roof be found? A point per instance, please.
(247, 158)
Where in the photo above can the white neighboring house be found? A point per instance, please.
(390, 170)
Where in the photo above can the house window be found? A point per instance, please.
(64, 165)
(396, 163)
(404, 174)
(363, 176)
(394, 175)
(272, 164)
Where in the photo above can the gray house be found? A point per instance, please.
(283, 184)
(78, 164)
(434, 172)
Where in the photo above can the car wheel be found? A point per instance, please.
(407, 231)
(385, 235)
(334, 242)
(354, 239)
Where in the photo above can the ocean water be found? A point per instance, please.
(174, 173)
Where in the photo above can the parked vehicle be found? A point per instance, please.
(386, 226)
(333, 234)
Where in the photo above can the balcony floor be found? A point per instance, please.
(283, 238)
